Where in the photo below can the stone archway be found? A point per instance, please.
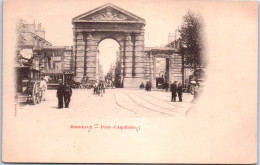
(109, 61)
(110, 21)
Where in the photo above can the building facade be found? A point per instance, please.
(163, 65)
(135, 63)
(109, 21)
(56, 62)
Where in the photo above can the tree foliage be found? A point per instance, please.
(192, 41)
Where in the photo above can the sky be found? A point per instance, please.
(107, 56)
(162, 17)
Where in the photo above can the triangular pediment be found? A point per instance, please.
(108, 13)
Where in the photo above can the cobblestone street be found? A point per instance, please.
(115, 103)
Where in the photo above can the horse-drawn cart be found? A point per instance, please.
(28, 85)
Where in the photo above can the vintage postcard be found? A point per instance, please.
(145, 81)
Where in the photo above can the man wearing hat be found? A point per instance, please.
(67, 94)
(174, 89)
(60, 94)
(180, 92)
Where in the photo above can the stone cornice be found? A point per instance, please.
(117, 15)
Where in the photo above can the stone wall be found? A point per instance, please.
(131, 55)
(155, 66)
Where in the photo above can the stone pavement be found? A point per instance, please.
(114, 103)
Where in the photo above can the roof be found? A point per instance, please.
(108, 13)
(37, 36)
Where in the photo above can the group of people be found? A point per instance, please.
(176, 89)
(111, 84)
(99, 89)
(147, 86)
(64, 92)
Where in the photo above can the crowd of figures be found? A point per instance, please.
(64, 92)
(176, 90)
(147, 86)
(99, 88)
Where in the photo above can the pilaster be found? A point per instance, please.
(79, 57)
(139, 67)
(128, 56)
(91, 59)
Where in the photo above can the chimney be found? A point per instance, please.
(39, 27)
(40, 32)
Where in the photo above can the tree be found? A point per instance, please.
(192, 41)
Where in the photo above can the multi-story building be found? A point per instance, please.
(33, 37)
(56, 62)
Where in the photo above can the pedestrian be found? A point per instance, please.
(147, 86)
(95, 86)
(100, 89)
(142, 85)
(67, 94)
(104, 88)
(112, 84)
(180, 92)
(166, 85)
(150, 86)
(60, 94)
(43, 87)
(196, 92)
(174, 90)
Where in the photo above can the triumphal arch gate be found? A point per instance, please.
(110, 21)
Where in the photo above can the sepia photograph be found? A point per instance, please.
(130, 82)
(109, 52)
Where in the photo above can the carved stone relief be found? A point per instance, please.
(108, 15)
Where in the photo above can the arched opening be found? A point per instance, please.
(108, 62)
